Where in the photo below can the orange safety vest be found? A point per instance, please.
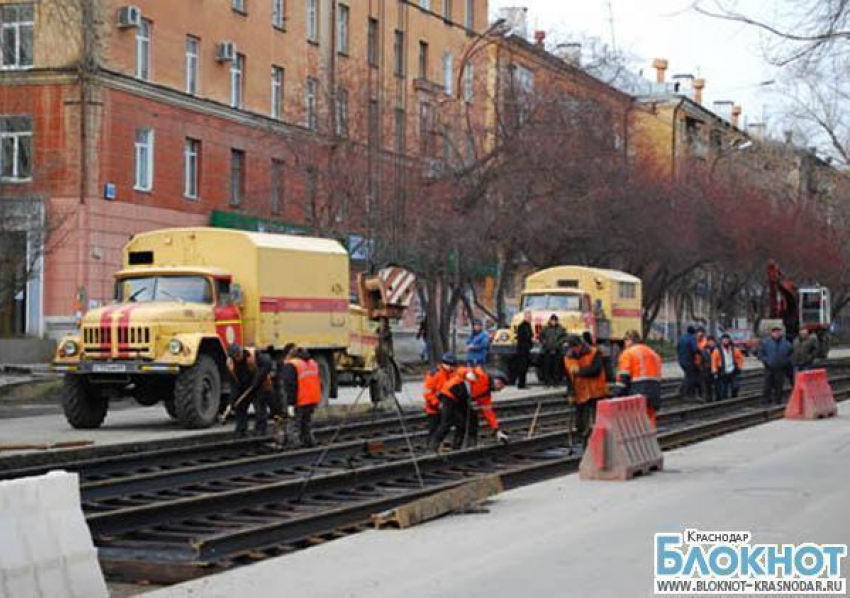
(251, 362)
(309, 382)
(584, 388)
(479, 391)
(640, 364)
(717, 360)
(435, 380)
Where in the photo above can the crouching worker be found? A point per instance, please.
(435, 380)
(586, 383)
(468, 392)
(251, 372)
(639, 373)
(303, 387)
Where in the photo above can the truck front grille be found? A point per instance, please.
(100, 340)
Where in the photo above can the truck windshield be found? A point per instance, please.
(552, 302)
(184, 289)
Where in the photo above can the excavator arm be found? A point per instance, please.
(784, 302)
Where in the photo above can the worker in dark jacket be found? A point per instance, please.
(303, 386)
(552, 339)
(775, 353)
(805, 351)
(586, 383)
(686, 351)
(251, 372)
(706, 376)
(524, 342)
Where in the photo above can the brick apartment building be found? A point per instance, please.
(117, 118)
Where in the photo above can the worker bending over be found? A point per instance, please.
(303, 388)
(468, 392)
(251, 372)
(435, 380)
(639, 373)
(586, 383)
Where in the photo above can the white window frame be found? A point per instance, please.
(278, 13)
(469, 83)
(447, 10)
(448, 73)
(426, 4)
(342, 30)
(17, 137)
(143, 50)
(311, 103)
(278, 78)
(17, 28)
(191, 168)
(144, 155)
(239, 6)
(193, 64)
(342, 112)
(237, 81)
(469, 17)
(312, 21)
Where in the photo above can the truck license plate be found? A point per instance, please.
(109, 368)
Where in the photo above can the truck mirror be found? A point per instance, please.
(237, 298)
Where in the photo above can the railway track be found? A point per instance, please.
(187, 536)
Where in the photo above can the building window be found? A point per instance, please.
(470, 14)
(423, 60)
(447, 10)
(191, 168)
(278, 14)
(237, 177)
(193, 45)
(468, 83)
(627, 290)
(398, 53)
(15, 148)
(239, 6)
(400, 131)
(313, 21)
(425, 126)
(237, 80)
(144, 160)
(143, 50)
(342, 112)
(426, 4)
(277, 186)
(448, 72)
(277, 92)
(342, 30)
(372, 43)
(374, 124)
(16, 36)
(311, 119)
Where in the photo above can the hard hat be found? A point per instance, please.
(449, 358)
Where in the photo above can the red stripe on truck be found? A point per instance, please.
(302, 305)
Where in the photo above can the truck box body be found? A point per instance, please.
(296, 289)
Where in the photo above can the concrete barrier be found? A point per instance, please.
(811, 397)
(46, 550)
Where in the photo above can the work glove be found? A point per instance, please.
(290, 411)
(502, 437)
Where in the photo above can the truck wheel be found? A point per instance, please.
(325, 375)
(197, 394)
(85, 408)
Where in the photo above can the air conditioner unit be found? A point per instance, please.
(226, 52)
(129, 16)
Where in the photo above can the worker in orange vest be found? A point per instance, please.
(435, 380)
(302, 384)
(727, 363)
(586, 383)
(639, 373)
(251, 372)
(467, 393)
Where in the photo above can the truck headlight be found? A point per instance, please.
(503, 337)
(70, 348)
(175, 346)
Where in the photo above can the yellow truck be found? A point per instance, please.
(185, 295)
(604, 303)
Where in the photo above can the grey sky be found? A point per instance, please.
(728, 55)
